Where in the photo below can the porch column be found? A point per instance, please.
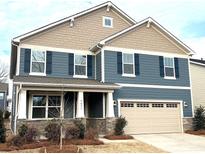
(22, 104)
(80, 105)
(109, 105)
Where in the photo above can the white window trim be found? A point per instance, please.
(46, 107)
(31, 61)
(133, 59)
(86, 65)
(169, 77)
(111, 19)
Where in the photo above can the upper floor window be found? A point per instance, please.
(128, 63)
(38, 61)
(169, 67)
(80, 65)
(107, 22)
(1, 96)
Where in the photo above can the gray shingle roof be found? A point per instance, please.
(53, 81)
(3, 87)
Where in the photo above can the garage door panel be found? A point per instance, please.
(153, 119)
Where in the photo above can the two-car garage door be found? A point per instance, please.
(152, 117)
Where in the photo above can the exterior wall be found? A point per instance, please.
(98, 67)
(3, 101)
(143, 38)
(13, 111)
(198, 80)
(85, 33)
(60, 65)
(149, 71)
(187, 123)
(156, 94)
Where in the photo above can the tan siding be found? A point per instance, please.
(87, 31)
(198, 84)
(144, 38)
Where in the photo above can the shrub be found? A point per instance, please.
(121, 122)
(199, 118)
(31, 135)
(2, 128)
(17, 141)
(52, 131)
(72, 133)
(81, 127)
(7, 114)
(91, 134)
(22, 130)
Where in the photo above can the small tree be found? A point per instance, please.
(2, 128)
(121, 122)
(199, 118)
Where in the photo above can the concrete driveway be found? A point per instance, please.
(174, 142)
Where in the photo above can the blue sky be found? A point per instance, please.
(184, 18)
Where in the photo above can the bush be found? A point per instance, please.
(72, 133)
(199, 118)
(121, 122)
(2, 128)
(31, 135)
(23, 130)
(7, 114)
(81, 127)
(91, 134)
(52, 131)
(17, 141)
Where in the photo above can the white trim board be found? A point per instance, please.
(192, 62)
(153, 86)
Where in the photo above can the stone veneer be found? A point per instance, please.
(187, 123)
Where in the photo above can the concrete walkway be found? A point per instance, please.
(176, 142)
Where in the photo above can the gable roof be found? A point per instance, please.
(149, 20)
(200, 62)
(72, 17)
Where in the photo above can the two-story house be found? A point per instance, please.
(97, 65)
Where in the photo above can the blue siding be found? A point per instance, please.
(149, 71)
(98, 66)
(157, 94)
(59, 65)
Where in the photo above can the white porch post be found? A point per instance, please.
(80, 105)
(22, 104)
(109, 105)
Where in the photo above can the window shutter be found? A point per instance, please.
(71, 63)
(176, 64)
(161, 66)
(89, 65)
(137, 64)
(119, 62)
(27, 60)
(48, 62)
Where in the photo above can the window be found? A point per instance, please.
(127, 104)
(44, 106)
(128, 64)
(1, 96)
(80, 65)
(171, 105)
(157, 105)
(107, 22)
(169, 67)
(143, 105)
(38, 62)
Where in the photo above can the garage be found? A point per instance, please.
(151, 117)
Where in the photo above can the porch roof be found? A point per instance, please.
(43, 81)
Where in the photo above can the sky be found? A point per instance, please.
(183, 18)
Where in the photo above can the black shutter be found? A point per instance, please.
(137, 64)
(71, 63)
(48, 62)
(89, 65)
(176, 64)
(119, 62)
(27, 60)
(161, 66)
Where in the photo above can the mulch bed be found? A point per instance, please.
(118, 137)
(199, 132)
(82, 142)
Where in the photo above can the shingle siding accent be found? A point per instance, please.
(149, 71)
(157, 94)
(98, 67)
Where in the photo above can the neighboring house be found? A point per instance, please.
(197, 68)
(99, 64)
(3, 96)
